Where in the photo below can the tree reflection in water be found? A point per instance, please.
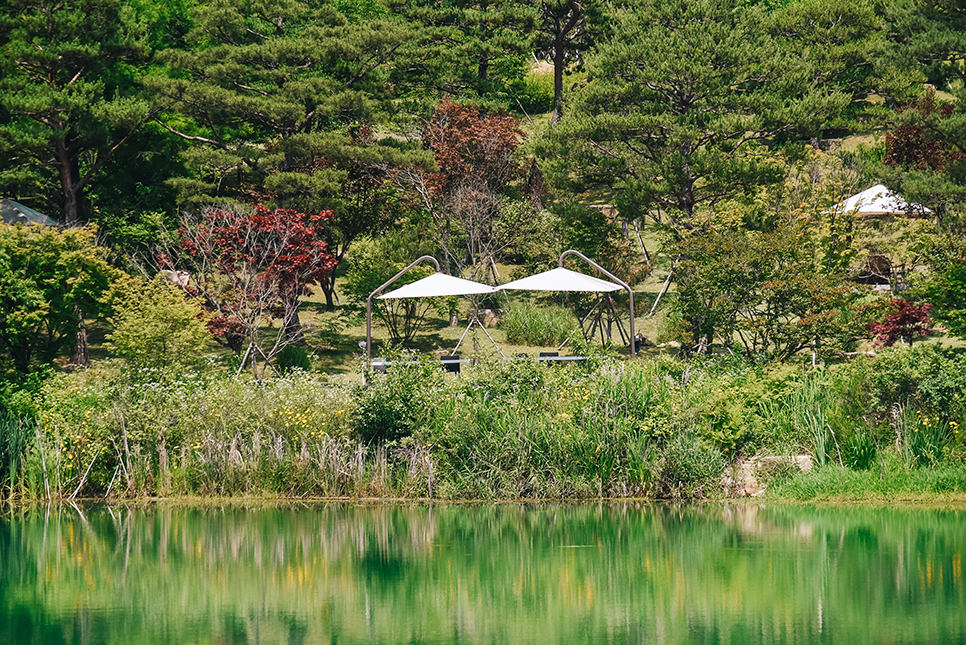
(515, 573)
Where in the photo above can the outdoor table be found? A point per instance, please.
(449, 363)
(561, 359)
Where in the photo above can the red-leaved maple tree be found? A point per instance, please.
(251, 268)
(907, 321)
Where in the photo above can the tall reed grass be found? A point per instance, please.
(526, 324)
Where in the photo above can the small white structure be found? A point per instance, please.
(438, 285)
(561, 279)
(879, 200)
(180, 278)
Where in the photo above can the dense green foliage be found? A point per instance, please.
(716, 128)
(507, 429)
(154, 326)
(67, 95)
(49, 281)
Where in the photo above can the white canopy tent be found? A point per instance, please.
(561, 279)
(442, 285)
(438, 285)
(879, 200)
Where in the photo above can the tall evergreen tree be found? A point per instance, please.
(272, 89)
(839, 45)
(566, 30)
(67, 104)
(679, 109)
(465, 47)
(679, 105)
(280, 98)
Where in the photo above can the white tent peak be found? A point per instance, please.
(879, 200)
(438, 285)
(561, 279)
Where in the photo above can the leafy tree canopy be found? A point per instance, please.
(679, 104)
(155, 326)
(49, 279)
(464, 47)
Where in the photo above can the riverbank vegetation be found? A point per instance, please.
(235, 180)
(661, 428)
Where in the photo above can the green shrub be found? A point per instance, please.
(293, 357)
(686, 468)
(527, 324)
(154, 326)
(396, 404)
(535, 93)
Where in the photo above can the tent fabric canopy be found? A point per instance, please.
(436, 286)
(13, 212)
(879, 200)
(561, 279)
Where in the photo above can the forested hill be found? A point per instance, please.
(232, 179)
(481, 132)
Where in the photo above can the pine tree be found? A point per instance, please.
(465, 47)
(281, 99)
(67, 99)
(679, 105)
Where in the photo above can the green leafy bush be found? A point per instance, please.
(535, 92)
(687, 467)
(293, 357)
(396, 404)
(527, 324)
(154, 325)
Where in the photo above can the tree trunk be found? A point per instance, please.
(446, 244)
(69, 182)
(293, 327)
(482, 74)
(535, 186)
(21, 358)
(558, 69)
(328, 290)
(80, 354)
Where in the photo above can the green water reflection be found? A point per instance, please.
(587, 573)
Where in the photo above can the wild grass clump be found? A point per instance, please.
(890, 480)
(16, 437)
(104, 432)
(526, 324)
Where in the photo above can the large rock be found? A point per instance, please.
(744, 479)
(489, 317)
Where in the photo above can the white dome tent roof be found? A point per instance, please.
(436, 286)
(879, 200)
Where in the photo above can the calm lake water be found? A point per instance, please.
(505, 573)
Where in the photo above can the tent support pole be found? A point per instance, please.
(379, 290)
(476, 321)
(630, 292)
(664, 287)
